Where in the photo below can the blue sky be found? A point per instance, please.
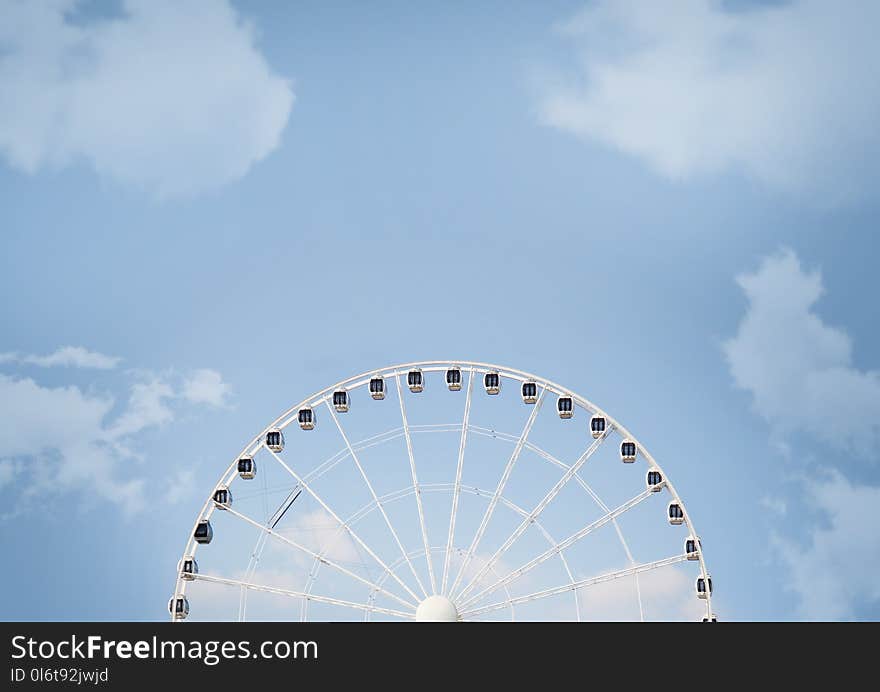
(209, 211)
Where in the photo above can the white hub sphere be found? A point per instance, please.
(436, 609)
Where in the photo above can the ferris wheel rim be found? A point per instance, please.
(474, 367)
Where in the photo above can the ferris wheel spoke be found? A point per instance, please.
(376, 499)
(543, 531)
(557, 548)
(536, 512)
(308, 488)
(580, 584)
(499, 490)
(303, 596)
(598, 500)
(415, 480)
(320, 558)
(456, 491)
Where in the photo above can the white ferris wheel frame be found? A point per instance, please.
(530, 517)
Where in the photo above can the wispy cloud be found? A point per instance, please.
(66, 356)
(834, 573)
(55, 439)
(180, 486)
(7, 471)
(799, 372)
(787, 93)
(173, 97)
(667, 594)
(206, 386)
(797, 368)
(776, 505)
(321, 533)
(147, 407)
(65, 439)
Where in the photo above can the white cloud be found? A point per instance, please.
(66, 356)
(667, 594)
(206, 387)
(147, 407)
(56, 437)
(180, 486)
(498, 571)
(214, 602)
(321, 533)
(776, 505)
(787, 93)
(797, 368)
(800, 374)
(7, 472)
(57, 440)
(835, 573)
(170, 96)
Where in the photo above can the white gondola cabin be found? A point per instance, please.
(188, 568)
(704, 584)
(692, 548)
(654, 480)
(275, 440)
(341, 401)
(492, 382)
(565, 407)
(415, 380)
(247, 467)
(306, 418)
(675, 513)
(203, 533)
(628, 451)
(178, 606)
(453, 379)
(222, 497)
(529, 392)
(377, 388)
(597, 426)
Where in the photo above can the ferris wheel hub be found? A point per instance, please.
(436, 609)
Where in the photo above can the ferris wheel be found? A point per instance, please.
(443, 491)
